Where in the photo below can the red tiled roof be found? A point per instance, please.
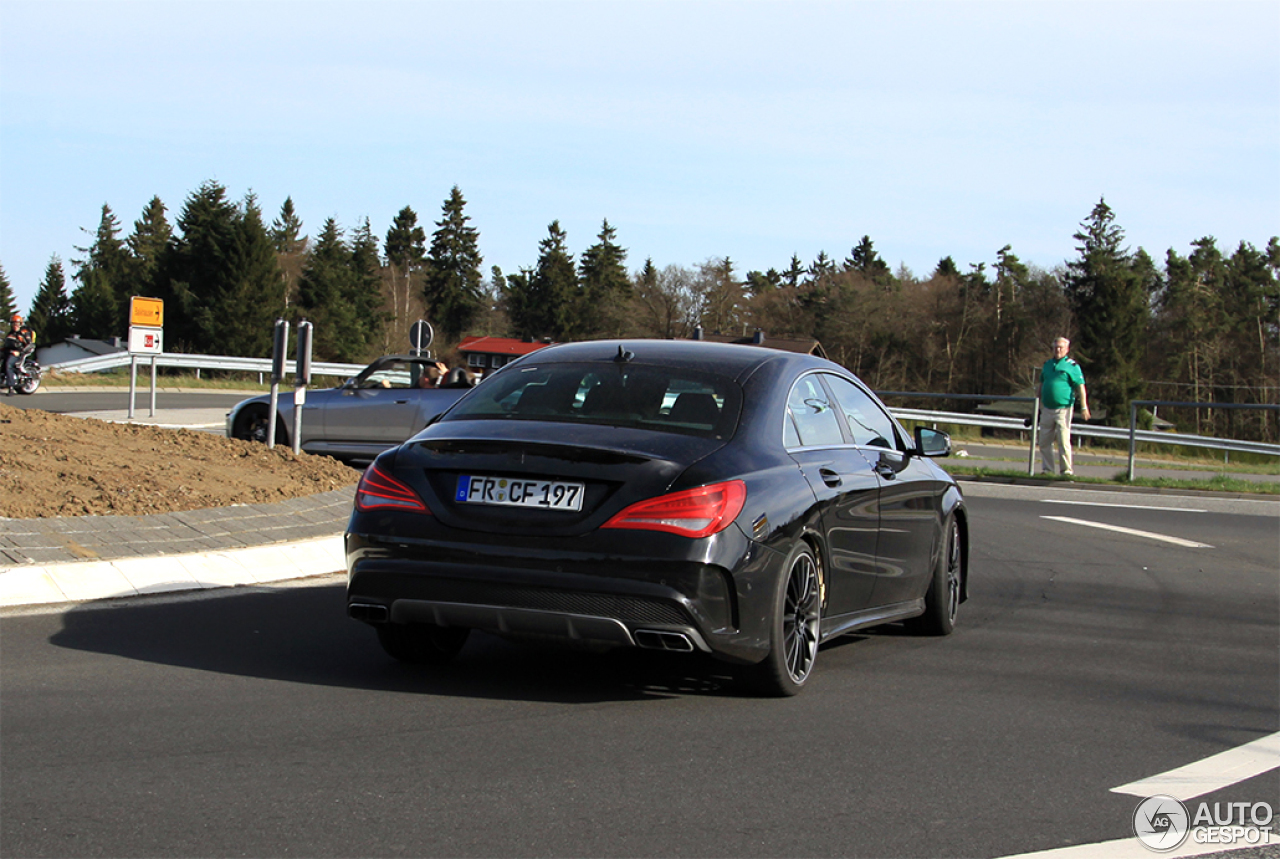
(498, 346)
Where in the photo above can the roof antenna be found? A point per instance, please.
(623, 355)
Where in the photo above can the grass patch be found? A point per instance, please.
(1218, 483)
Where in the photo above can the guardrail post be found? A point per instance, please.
(1035, 436)
(133, 382)
(1133, 436)
(153, 386)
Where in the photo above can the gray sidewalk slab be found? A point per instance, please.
(67, 539)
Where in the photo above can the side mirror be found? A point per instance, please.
(932, 442)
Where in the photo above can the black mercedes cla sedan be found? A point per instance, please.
(738, 501)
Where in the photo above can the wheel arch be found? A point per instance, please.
(251, 412)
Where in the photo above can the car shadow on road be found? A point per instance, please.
(302, 635)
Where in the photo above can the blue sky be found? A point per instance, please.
(752, 130)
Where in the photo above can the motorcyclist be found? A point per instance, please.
(18, 343)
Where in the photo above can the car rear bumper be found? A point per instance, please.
(670, 605)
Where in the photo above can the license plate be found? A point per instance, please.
(516, 492)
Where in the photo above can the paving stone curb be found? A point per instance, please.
(78, 558)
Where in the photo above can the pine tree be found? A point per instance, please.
(820, 268)
(197, 270)
(291, 248)
(99, 303)
(758, 283)
(548, 307)
(333, 295)
(793, 276)
(366, 293)
(50, 316)
(406, 252)
(946, 268)
(517, 300)
(605, 287)
(246, 309)
(8, 301)
(151, 235)
(286, 230)
(864, 260)
(452, 285)
(1108, 299)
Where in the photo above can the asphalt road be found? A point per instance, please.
(266, 723)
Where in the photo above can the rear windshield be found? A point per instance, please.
(621, 395)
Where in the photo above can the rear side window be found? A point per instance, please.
(628, 395)
(811, 419)
(867, 422)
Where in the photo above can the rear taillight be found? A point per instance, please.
(379, 490)
(697, 512)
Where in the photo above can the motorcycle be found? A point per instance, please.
(26, 374)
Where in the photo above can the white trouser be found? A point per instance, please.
(1055, 427)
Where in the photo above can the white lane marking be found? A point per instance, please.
(1125, 506)
(1132, 848)
(1212, 773)
(1177, 541)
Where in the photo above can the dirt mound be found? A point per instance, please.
(54, 465)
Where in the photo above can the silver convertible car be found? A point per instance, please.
(377, 409)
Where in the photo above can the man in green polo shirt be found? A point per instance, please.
(1061, 383)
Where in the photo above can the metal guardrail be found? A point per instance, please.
(261, 366)
(1197, 440)
(1131, 434)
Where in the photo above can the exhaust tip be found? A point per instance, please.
(368, 612)
(661, 639)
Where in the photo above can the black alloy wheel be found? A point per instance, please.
(942, 601)
(796, 624)
(422, 643)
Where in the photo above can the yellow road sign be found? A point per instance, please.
(146, 311)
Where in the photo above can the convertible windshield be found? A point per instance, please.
(621, 395)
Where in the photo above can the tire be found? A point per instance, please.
(794, 627)
(29, 385)
(422, 643)
(942, 600)
(251, 425)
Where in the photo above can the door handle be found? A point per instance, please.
(885, 470)
(830, 477)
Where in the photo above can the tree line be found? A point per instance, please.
(1203, 327)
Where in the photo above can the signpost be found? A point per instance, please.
(146, 337)
(301, 378)
(420, 336)
(279, 355)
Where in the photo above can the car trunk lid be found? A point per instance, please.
(482, 475)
